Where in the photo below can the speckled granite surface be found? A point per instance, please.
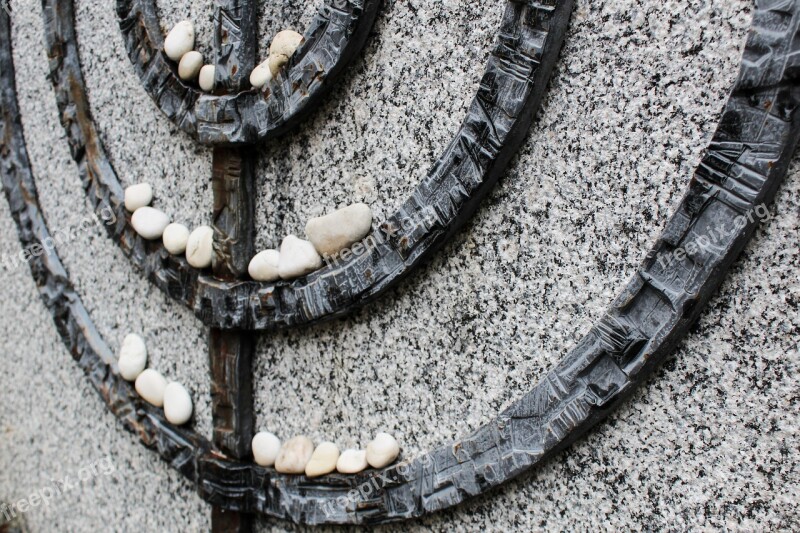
(711, 441)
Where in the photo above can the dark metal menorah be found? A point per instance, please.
(740, 173)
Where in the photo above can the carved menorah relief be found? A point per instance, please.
(739, 174)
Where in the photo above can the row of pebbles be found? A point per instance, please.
(298, 455)
(328, 236)
(150, 384)
(179, 47)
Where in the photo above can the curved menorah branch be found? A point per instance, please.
(742, 169)
(336, 35)
(496, 124)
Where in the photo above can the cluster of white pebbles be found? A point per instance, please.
(298, 455)
(327, 236)
(150, 384)
(179, 47)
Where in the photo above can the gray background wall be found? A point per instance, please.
(711, 441)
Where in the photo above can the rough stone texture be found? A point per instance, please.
(708, 442)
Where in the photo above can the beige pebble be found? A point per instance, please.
(200, 247)
(132, 357)
(294, 455)
(149, 222)
(177, 404)
(261, 75)
(180, 40)
(175, 238)
(266, 447)
(297, 258)
(151, 385)
(382, 450)
(206, 77)
(352, 461)
(332, 233)
(323, 460)
(190, 65)
(264, 266)
(139, 195)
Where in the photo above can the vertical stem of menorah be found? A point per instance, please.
(231, 352)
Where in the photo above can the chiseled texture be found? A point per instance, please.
(708, 442)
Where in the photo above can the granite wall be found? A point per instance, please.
(710, 441)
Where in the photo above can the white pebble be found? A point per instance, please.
(285, 43)
(264, 266)
(382, 451)
(341, 229)
(297, 258)
(294, 455)
(190, 65)
(177, 404)
(149, 222)
(261, 75)
(206, 79)
(150, 385)
(180, 40)
(132, 357)
(175, 238)
(200, 247)
(266, 447)
(323, 460)
(352, 461)
(137, 196)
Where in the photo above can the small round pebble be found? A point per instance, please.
(151, 385)
(294, 455)
(297, 258)
(177, 404)
(190, 65)
(206, 78)
(352, 462)
(132, 357)
(149, 222)
(200, 247)
(323, 460)
(266, 447)
(175, 238)
(261, 75)
(137, 196)
(264, 266)
(332, 233)
(382, 450)
(180, 40)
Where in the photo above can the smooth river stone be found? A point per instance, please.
(151, 385)
(200, 247)
(294, 455)
(282, 48)
(382, 450)
(261, 75)
(264, 266)
(175, 238)
(352, 461)
(149, 222)
(137, 196)
(330, 234)
(180, 40)
(206, 77)
(177, 404)
(323, 460)
(266, 447)
(132, 357)
(297, 258)
(190, 65)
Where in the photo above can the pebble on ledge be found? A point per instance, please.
(132, 357)
(297, 258)
(382, 450)
(177, 404)
(332, 233)
(190, 65)
(352, 462)
(264, 266)
(283, 46)
(149, 222)
(200, 247)
(261, 75)
(175, 238)
(266, 447)
(323, 460)
(206, 77)
(180, 40)
(294, 455)
(151, 385)
(139, 195)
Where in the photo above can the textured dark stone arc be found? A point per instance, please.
(335, 36)
(742, 168)
(496, 124)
